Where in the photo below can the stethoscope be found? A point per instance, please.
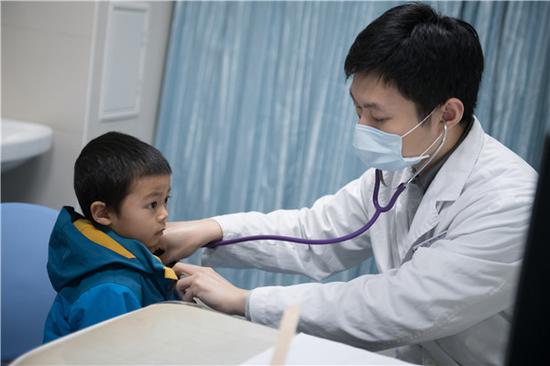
(379, 210)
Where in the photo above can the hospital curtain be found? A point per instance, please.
(255, 113)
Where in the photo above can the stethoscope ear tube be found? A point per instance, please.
(379, 209)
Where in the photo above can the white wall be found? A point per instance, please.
(53, 58)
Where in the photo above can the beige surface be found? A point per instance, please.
(159, 334)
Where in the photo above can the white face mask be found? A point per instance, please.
(382, 150)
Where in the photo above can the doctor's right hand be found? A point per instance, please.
(211, 288)
(182, 238)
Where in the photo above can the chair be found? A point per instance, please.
(26, 290)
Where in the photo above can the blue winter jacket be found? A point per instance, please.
(98, 275)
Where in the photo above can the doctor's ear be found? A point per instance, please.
(101, 213)
(453, 111)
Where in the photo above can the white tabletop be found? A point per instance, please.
(188, 334)
(167, 333)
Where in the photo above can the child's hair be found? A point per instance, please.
(108, 165)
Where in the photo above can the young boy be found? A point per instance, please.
(101, 264)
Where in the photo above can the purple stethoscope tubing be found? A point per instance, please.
(379, 209)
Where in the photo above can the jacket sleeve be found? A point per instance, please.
(102, 302)
(457, 282)
(330, 216)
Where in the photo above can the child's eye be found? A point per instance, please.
(166, 199)
(152, 205)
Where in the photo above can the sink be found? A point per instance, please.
(22, 141)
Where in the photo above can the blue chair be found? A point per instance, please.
(26, 290)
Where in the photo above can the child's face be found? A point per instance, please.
(143, 212)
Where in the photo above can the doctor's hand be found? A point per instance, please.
(182, 238)
(211, 288)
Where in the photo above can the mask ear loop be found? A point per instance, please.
(418, 124)
(405, 135)
(432, 156)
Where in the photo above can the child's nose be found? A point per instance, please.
(163, 214)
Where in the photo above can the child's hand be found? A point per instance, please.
(211, 288)
(181, 239)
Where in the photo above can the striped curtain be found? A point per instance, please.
(255, 113)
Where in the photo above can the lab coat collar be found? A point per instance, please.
(447, 184)
(451, 178)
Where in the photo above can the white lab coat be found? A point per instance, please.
(446, 284)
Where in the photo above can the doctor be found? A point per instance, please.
(448, 252)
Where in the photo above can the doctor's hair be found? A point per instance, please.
(428, 57)
(109, 164)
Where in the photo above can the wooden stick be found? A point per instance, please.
(287, 328)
